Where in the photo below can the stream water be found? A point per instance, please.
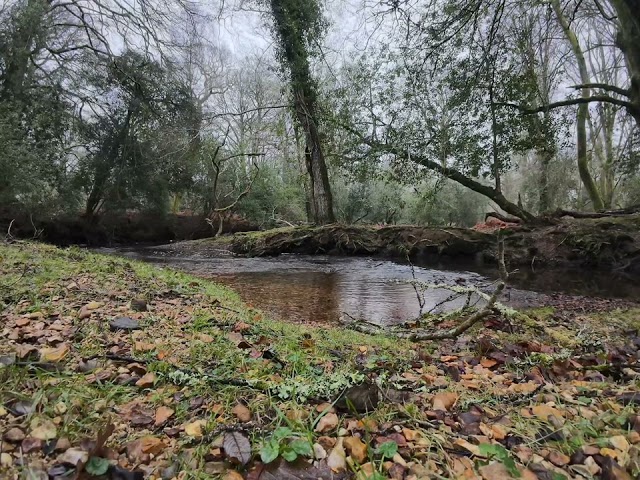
(321, 289)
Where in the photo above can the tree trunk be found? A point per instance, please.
(489, 192)
(320, 189)
(292, 32)
(628, 13)
(583, 110)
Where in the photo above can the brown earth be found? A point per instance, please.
(110, 229)
(607, 243)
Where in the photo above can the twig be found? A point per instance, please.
(462, 327)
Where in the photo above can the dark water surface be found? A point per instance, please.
(316, 288)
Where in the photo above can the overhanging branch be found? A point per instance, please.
(567, 103)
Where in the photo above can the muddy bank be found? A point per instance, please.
(606, 243)
(113, 229)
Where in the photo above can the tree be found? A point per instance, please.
(297, 27)
(140, 104)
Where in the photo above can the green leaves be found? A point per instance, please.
(280, 444)
(97, 466)
(270, 451)
(387, 449)
(302, 447)
(501, 454)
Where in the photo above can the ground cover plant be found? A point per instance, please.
(111, 368)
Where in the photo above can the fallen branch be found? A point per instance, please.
(455, 332)
(610, 213)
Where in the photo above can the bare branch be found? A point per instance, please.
(567, 103)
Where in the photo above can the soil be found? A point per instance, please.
(607, 243)
(113, 229)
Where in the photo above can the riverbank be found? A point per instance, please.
(611, 243)
(114, 366)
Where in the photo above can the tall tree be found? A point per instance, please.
(298, 26)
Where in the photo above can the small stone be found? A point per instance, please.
(74, 456)
(6, 360)
(30, 444)
(6, 460)
(14, 435)
(124, 323)
(60, 408)
(319, 453)
(62, 444)
(138, 305)
(558, 459)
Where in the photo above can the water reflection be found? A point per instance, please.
(319, 289)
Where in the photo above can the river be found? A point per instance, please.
(324, 289)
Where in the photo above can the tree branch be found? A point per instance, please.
(462, 327)
(604, 86)
(567, 103)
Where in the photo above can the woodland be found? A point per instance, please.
(268, 114)
(146, 143)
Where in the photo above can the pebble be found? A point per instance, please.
(14, 435)
(6, 460)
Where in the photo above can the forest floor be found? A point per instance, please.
(111, 368)
(607, 243)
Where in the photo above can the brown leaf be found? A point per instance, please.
(232, 475)
(152, 445)
(356, 449)
(543, 412)
(326, 423)
(495, 471)
(528, 387)
(144, 347)
(237, 447)
(163, 414)
(444, 401)
(54, 354)
(195, 429)
(337, 459)
(242, 412)
(147, 380)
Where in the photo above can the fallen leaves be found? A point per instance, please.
(237, 447)
(54, 354)
(356, 449)
(195, 429)
(444, 401)
(242, 412)
(162, 415)
(147, 380)
(326, 423)
(337, 459)
(43, 429)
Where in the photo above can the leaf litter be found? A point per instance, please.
(182, 386)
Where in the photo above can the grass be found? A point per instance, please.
(206, 350)
(188, 326)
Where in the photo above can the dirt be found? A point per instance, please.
(606, 243)
(125, 228)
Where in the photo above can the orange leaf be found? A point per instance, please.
(444, 401)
